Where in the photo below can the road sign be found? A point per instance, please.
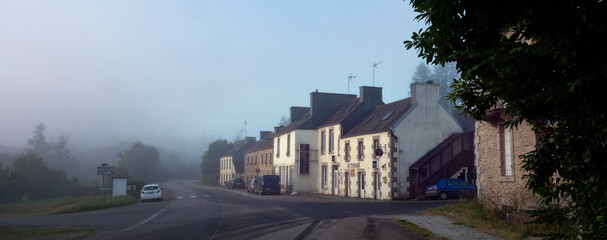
(104, 170)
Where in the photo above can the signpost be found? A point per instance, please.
(103, 170)
(304, 159)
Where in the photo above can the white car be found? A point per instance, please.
(151, 192)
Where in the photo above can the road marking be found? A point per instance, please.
(206, 195)
(192, 196)
(180, 197)
(146, 220)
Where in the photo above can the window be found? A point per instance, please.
(361, 149)
(324, 176)
(289, 145)
(387, 115)
(347, 151)
(506, 150)
(331, 141)
(278, 147)
(375, 145)
(255, 159)
(323, 142)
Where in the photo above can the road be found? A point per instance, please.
(189, 211)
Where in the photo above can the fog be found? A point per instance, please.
(180, 74)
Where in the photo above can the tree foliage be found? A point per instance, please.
(56, 155)
(546, 61)
(30, 178)
(442, 75)
(144, 160)
(211, 161)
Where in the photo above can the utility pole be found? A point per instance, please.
(375, 66)
(350, 77)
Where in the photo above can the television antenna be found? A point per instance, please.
(350, 77)
(374, 67)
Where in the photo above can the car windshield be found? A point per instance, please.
(150, 188)
(270, 180)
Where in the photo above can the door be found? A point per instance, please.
(361, 185)
(335, 181)
(347, 185)
(376, 185)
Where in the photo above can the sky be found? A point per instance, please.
(176, 72)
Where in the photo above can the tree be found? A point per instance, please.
(144, 160)
(422, 73)
(546, 61)
(442, 75)
(38, 143)
(211, 161)
(284, 121)
(30, 178)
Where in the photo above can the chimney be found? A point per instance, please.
(277, 129)
(371, 94)
(424, 93)
(264, 134)
(297, 112)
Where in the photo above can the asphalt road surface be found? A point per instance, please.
(189, 211)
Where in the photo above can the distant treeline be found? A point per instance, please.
(29, 178)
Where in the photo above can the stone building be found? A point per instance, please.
(232, 163)
(498, 164)
(258, 159)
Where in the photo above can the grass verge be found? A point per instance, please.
(18, 232)
(62, 205)
(420, 231)
(472, 214)
(88, 205)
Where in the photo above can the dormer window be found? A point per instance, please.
(387, 115)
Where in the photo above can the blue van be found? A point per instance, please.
(267, 184)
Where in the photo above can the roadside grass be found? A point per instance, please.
(20, 232)
(419, 230)
(94, 204)
(472, 214)
(34, 207)
(62, 205)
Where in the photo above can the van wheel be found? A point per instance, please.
(443, 196)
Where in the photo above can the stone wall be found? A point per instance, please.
(263, 165)
(496, 190)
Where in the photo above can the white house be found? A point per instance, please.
(379, 149)
(330, 134)
(296, 145)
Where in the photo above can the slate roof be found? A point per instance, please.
(343, 112)
(263, 144)
(296, 124)
(237, 153)
(380, 118)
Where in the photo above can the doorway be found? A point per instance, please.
(361, 185)
(376, 185)
(335, 181)
(347, 185)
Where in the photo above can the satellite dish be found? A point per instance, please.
(379, 152)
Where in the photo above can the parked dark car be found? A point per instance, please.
(267, 184)
(236, 183)
(251, 185)
(450, 187)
